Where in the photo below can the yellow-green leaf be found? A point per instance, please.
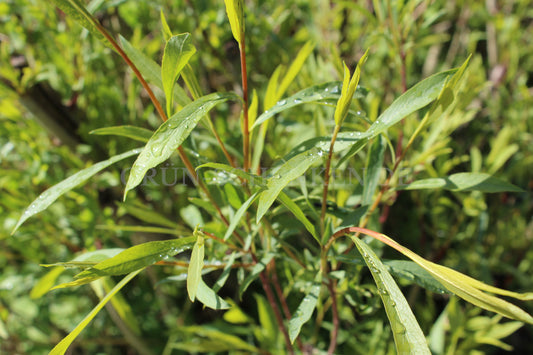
(235, 11)
(348, 89)
(196, 264)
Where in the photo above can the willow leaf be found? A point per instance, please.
(178, 50)
(196, 264)
(137, 133)
(63, 345)
(49, 196)
(171, 134)
(131, 259)
(209, 297)
(464, 182)
(326, 91)
(408, 336)
(289, 171)
(235, 11)
(304, 312)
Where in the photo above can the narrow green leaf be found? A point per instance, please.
(49, 196)
(235, 11)
(316, 93)
(464, 182)
(76, 10)
(167, 33)
(63, 345)
(45, 283)
(89, 259)
(238, 215)
(461, 285)
(170, 135)
(196, 264)
(411, 271)
(209, 297)
(408, 336)
(289, 171)
(225, 273)
(256, 180)
(206, 339)
(348, 90)
(254, 274)
(149, 215)
(298, 213)
(151, 71)
(122, 306)
(412, 100)
(178, 50)
(136, 133)
(295, 68)
(131, 259)
(269, 331)
(372, 173)
(304, 312)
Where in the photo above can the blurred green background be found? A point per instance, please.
(57, 83)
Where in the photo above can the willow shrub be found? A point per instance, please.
(274, 226)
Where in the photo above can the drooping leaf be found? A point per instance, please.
(206, 339)
(170, 135)
(464, 182)
(304, 312)
(76, 9)
(121, 306)
(63, 345)
(326, 91)
(151, 71)
(238, 215)
(209, 297)
(256, 270)
(373, 169)
(235, 11)
(136, 133)
(196, 264)
(149, 215)
(89, 259)
(298, 213)
(49, 196)
(131, 259)
(461, 285)
(408, 336)
(178, 50)
(411, 271)
(348, 90)
(289, 171)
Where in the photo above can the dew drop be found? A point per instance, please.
(326, 89)
(266, 112)
(297, 101)
(320, 153)
(359, 113)
(335, 90)
(281, 102)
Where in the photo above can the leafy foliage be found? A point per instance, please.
(439, 161)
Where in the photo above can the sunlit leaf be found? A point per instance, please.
(461, 285)
(49, 196)
(136, 133)
(45, 283)
(170, 135)
(304, 312)
(408, 336)
(295, 68)
(151, 71)
(464, 182)
(121, 306)
(63, 345)
(206, 339)
(289, 171)
(209, 298)
(326, 91)
(131, 259)
(196, 264)
(348, 90)
(235, 11)
(178, 50)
